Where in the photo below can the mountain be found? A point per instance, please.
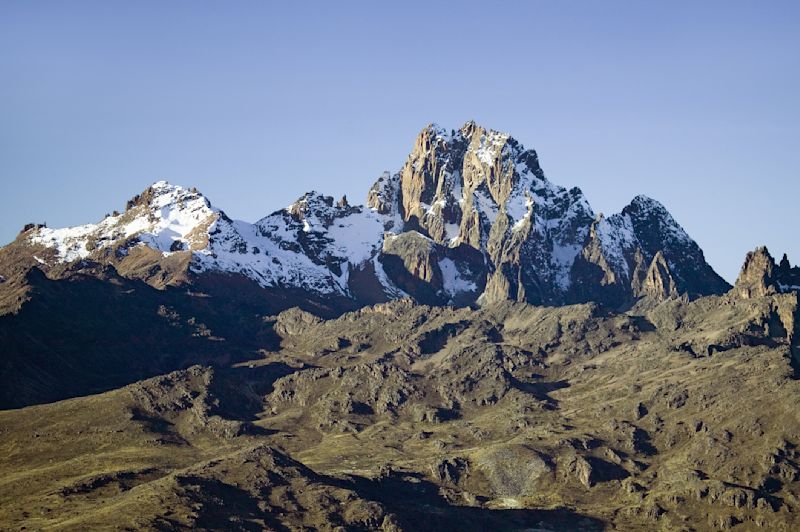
(470, 218)
(473, 349)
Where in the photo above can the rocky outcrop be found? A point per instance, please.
(658, 282)
(542, 243)
(757, 277)
(760, 276)
(513, 470)
(657, 231)
(483, 189)
(411, 261)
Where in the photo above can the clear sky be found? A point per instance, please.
(696, 104)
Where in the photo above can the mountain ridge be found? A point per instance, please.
(490, 226)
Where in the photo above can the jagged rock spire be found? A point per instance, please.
(760, 276)
(757, 277)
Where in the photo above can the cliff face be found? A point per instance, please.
(482, 189)
(469, 218)
(540, 242)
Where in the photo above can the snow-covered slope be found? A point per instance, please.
(165, 217)
(312, 244)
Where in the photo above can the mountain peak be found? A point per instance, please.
(163, 193)
(655, 220)
(165, 217)
(163, 184)
(757, 277)
(646, 205)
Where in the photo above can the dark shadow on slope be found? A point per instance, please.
(605, 471)
(541, 390)
(85, 335)
(418, 506)
(435, 340)
(642, 324)
(642, 443)
(240, 390)
(794, 349)
(156, 425)
(220, 506)
(774, 501)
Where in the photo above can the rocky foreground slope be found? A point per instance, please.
(675, 415)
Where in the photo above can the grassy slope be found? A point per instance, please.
(416, 417)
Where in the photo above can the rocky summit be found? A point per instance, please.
(473, 349)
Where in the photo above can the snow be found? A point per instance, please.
(348, 237)
(525, 217)
(315, 245)
(491, 144)
(648, 208)
(40, 261)
(176, 214)
(176, 218)
(562, 258)
(457, 189)
(69, 243)
(518, 206)
(616, 236)
(485, 205)
(385, 191)
(357, 236)
(452, 232)
(453, 282)
(559, 218)
(173, 214)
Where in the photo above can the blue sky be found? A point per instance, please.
(693, 103)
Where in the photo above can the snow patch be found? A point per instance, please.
(525, 217)
(616, 236)
(357, 236)
(452, 232)
(452, 279)
(491, 144)
(485, 205)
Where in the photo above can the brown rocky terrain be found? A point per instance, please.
(673, 415)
